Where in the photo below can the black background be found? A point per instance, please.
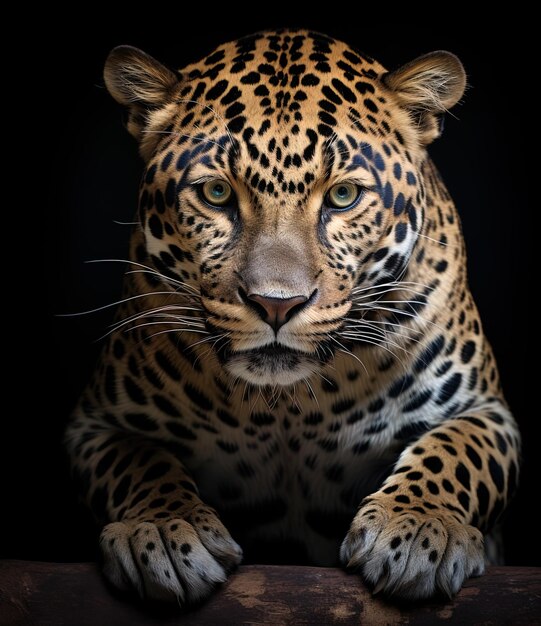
(82, 171)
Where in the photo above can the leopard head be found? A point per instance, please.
(284, 175)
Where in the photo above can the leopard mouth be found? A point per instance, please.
(272, 364)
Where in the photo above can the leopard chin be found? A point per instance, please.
(272, 365)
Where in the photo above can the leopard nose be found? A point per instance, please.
(276, 311)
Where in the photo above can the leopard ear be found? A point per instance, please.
(139, 82)
(428, 87)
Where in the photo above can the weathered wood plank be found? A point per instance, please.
(73, 594)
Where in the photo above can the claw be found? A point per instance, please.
(380, 585)
(354, 562)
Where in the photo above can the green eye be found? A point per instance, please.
(217, 192)
(342, 196)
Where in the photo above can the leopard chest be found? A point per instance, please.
(289, 474)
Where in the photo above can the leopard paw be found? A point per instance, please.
(173, 560)
(412, 555)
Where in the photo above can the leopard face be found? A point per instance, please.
(283, 183)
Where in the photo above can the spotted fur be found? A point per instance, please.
(305, 374)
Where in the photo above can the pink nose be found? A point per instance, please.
(277, 311)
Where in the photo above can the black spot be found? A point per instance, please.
(476, 421)
(401, 385)
(363, 88)
(416, 490)
(467, 352)
(433, 463)
(432, 487)
(360, 447)
(395, 542)
(139, 497)
(429, 354)
(227, 446)
(262, 419)
(474, 457)
(217, 90)
(400, 231)
(198, 397)
(227, 418)
(185, 548)
(441, 266)
(166, 365)
(313, 418)
(150, 173)
(331, 95)
(501, 443)
(414, 475)
(448, 486)
(329, 385)
(171, 191)
(342, 405)
(442, 437)
(483, 499)
(141, 421)
(463, 475)
(496, 473)
(376, 405)
(390, 489)
(123, 464)
(403, 499)
(134, 391)
(344, 91)
(181, 431)
(464, 500)
(156, 226)
(417, 400)
(215, 57)
(355, 417)
(105, 462)
(156, 471)
(165, 405)
(237, 124)
(325, 130)
(328, 444)
(252, 78)
(412, 431)
(449, 388)
(309, 80)
(433, 556)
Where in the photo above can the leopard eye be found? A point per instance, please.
(343, 196)
(217, 192)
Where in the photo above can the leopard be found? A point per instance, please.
(297, 362)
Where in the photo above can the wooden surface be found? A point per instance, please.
(73, 594)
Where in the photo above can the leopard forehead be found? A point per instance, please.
(271, 75)
(298, 88)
